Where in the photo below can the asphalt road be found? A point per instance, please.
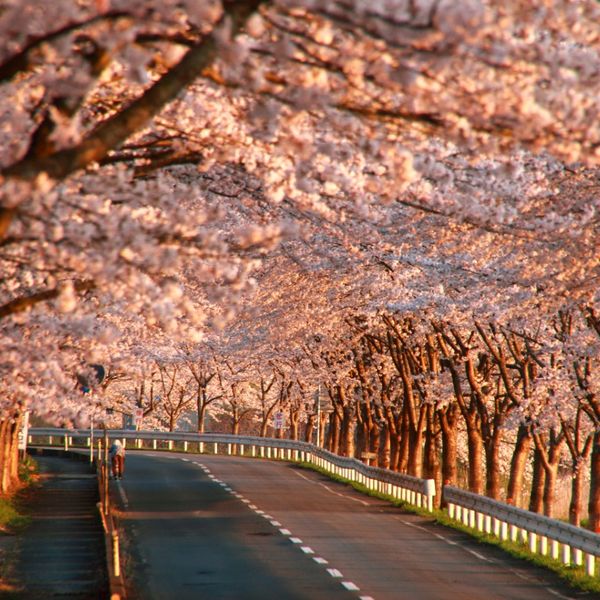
(224, 527)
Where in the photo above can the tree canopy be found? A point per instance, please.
(285, 183)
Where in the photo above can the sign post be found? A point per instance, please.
(279, 420)
(23, 433)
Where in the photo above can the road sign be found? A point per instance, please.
(22, 441)
(279, 420)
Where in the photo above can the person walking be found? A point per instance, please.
(117, 459)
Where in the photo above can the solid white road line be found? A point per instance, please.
(363, 502)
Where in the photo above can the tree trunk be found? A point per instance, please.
(201, 417)
(9, 455)
(404, 444)
(310, 428)
(3, 456)
(334, 432)
(492, 473)
(576, 505)
(517, 466)
(594, 500)
(475, 445)
(386, 447)
(550, 489)
(294, 424)
(447, 422)
(348, 430)
(536, 500)
(430, 465)
(415, 455)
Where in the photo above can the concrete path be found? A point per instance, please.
(61, 554)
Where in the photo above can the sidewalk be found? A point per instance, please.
(62, 553)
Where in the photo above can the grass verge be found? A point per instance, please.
(573, 575)
(12, 520)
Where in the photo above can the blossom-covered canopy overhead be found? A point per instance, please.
(244, 175)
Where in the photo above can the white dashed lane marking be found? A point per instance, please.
(335, 573)
(350, 586)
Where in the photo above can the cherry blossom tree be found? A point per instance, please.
(390, 203)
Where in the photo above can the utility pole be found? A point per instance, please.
(319, 415)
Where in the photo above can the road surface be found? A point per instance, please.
(215, 527)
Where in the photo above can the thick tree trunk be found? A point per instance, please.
(201, 417)
(492, 473)
(375, 447)
(386, 447)
(517, 466)
(294, 424)
(576, 505)
(594, 500)
(449, 446)
(430, 462)
(334, 432)
(536, 500)
(264, 426)
(475, 447)
(310, 428)
(348, 431)
(9, 455)
(404, 444)
(415, 455)
(550, 489)
(3, 457)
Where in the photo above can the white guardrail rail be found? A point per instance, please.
(572, 545)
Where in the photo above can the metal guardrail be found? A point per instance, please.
(419, 492)
(565, 542)
(570, 544)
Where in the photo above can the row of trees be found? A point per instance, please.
(397, 206)
(420, 397)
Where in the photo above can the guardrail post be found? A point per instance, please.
(229, 449)
(216, 448)
(154, 444)
(590, 564)
(577, 556)
(543, 545)
(451, 510)
(66, 441)
(566, 554)
(554, 549)
(170, 444)
(253, 451)
(185, 446)
(480, 521)
(496, 526)
(523, 536)
(241, 449)
(532, 542)
(504, 530)
(201, 447)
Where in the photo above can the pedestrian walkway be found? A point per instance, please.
(62, 553)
